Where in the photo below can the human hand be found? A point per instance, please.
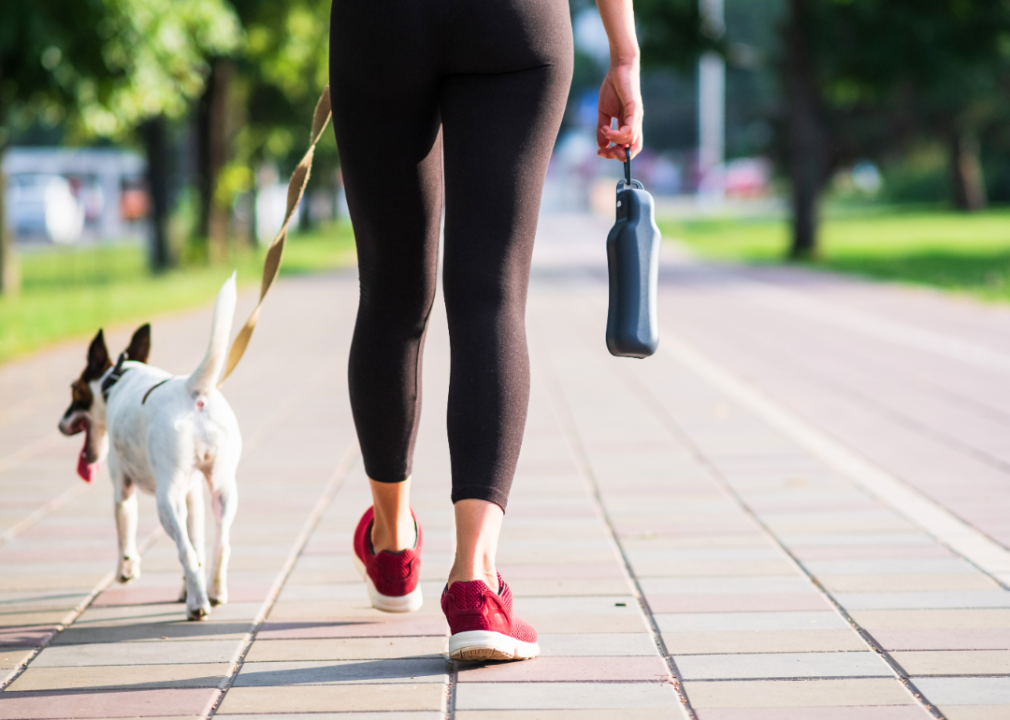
(621, 98)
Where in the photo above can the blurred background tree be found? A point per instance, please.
(110, 68)
(255, 108)
(869, 78)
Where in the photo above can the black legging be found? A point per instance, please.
(485, 82)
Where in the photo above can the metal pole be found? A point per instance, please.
(712, 107)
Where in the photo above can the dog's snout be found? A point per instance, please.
(71, 425)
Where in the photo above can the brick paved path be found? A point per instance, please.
(797, 509)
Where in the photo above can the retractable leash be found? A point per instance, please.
(633, 262)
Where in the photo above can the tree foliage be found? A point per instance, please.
(865, 78)
(104, 66)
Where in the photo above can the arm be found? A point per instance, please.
(621, 93)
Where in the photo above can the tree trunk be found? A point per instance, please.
(155, 136)
(966, 172)
(10, 280)
(214, 148)
(807, 135)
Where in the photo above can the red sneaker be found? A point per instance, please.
(483, 626)
(391, 577)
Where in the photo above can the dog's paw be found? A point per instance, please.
(218, 594)
(199, 613)
(129, 570)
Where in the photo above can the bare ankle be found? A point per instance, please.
(393, 528)
(394, 537)
(489, 576)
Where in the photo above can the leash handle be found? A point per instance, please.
(272, 263)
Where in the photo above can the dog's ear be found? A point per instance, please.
(98, 358)
(140, 344)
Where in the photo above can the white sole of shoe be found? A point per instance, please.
(389, 603)
(479, 645)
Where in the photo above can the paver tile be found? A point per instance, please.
(608, 714)
(806, 553)
(782, 641)
(975, 712)
(796, 693)
(565, 624)
(347, 649)
(596, 644)
(946, 639)
(325, 698)
(11, 657)
(27, 636)
(906, 583)
(926, 619)
(162, 613)
(964, 662)
(138, 632)
(966, 690)
(121, 677)
(726, 585)
(925, 600)
(353, 627)
(109, 704)
(568, 669)
(782, 665)
(525, 588)
(613, 605)
(856, 539)
(761, 621)
(401, 715)
(893, 712)
(565, 696)
(166, 652)
(322, 609)
(52, 616)
(938, 566)
(737, 603)
(328, 672)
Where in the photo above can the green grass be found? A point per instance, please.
(953, 251)
(68, 292)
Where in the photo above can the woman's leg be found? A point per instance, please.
(384, 89)
(498, 134)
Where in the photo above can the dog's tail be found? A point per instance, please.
(205, 377)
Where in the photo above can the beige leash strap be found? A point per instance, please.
(272, 264)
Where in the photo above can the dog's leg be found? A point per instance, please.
(225, 503)
(171, 499)
(195, 520)
(196, 527)
(125, 499)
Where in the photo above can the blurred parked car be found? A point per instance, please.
(44, 206)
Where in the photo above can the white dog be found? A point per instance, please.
(167, 433)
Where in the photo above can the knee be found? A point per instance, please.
(394, 300)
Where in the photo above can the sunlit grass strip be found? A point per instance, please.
(70, 293)
(948, 250)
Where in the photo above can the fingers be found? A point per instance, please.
(612, 142)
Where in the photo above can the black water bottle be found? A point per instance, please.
(633, 261)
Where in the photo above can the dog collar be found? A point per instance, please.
(113, 377)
